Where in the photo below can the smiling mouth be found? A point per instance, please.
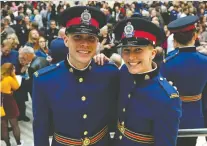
(84, 52)
(133, 63)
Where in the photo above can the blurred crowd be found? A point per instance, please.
(32, 38)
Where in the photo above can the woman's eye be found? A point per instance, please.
(138, 50)
(126, 50)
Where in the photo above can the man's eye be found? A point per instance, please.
(77, 37)
(91, 38)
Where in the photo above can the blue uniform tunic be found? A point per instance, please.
(82, 102)
(188, 71)
(13, 58)
(149, 107)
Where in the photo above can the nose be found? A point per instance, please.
(84, 43)
(132, 56)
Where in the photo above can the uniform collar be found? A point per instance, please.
(76, 71)
(187, 49)
(147, 75)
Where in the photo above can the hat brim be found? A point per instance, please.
(83, 29)
(121, 46)
(96, 35)
(134, 42)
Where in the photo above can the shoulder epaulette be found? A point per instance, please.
(46, 70)
(172, 92)
(171, 56)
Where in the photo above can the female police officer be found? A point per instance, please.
(149, 107)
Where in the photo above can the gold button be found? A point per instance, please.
(71, 70)
(85, 133)
(129, 95)
(171, 83)
(147, 77)
(124, 109)
(122, 123)
(120, 137)
(83, 98)
(86, 141)
(90, 67)
(80, 80)
(134, 82)
(85, 116)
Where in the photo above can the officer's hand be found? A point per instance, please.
(202, 49)
(100, 59)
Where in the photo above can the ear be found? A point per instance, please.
(66, 41)
(154, 52)
(195, 36)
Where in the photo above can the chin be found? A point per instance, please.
(134, 70)
(85, 60)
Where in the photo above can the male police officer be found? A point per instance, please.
(80, 94)
(188, 70)
(149, 107)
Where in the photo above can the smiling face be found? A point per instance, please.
(138, 59)
(82, 47)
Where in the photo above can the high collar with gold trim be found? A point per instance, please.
(147, 75)
(76, 71)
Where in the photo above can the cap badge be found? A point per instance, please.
(128, 30)
(86, 17)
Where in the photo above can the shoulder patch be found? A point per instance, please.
(171, 55)
(171, 92)
(46, 70)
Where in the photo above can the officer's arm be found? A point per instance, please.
(114, 111)
(204, 99)
(40, 114)
(166, 124)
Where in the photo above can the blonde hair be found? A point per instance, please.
(15, 42)
(6, 70)
(8, 43)
(30, 40)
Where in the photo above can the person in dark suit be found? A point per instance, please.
(21, 31)
(52, 32)
(57, 48)
(187, 68)
(30, 63)
(81, 95)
